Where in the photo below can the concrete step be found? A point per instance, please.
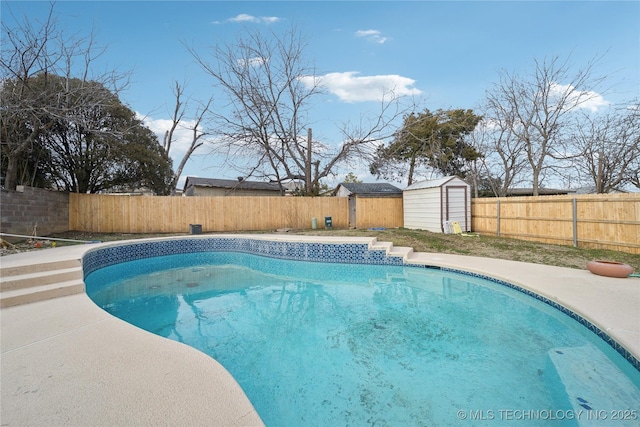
(396, 251)
(40, 293)
(28, 278)
(381, 246)
(400, 251)
(36, 268)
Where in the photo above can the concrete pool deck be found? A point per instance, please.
(65, 361)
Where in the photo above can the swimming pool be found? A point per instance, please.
(363, 343)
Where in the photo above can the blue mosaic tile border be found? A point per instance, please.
(351, 253)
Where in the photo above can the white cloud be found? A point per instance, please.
(270, 19)
(243, 17)
(573, 98)
(246, 18)
(350, 87)
(374, 36)
(252, 62)
(181, 136)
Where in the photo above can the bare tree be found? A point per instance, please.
(536, 108)
(264, 128)
(633, 169)
(634, 173)
(35, 56)
(502, 165)
(25, 53)
(609, 145)
(194, 127)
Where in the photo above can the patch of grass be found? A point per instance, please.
(490, 247)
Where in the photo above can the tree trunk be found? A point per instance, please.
(412, 167)
(600, 177)
(11, 178)
(535, 182)
(307, 166)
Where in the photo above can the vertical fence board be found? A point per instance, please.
(135, 214)
(608, 221)
(379, 212)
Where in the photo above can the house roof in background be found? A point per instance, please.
(541, 192)
(230, 184)
(372, 188)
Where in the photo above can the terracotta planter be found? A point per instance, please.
(609, 268)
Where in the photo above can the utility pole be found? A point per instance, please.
(307, 166)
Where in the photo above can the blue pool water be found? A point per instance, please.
(337, 344)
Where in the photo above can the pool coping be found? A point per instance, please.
(65, 361)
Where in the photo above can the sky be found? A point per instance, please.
(442, 54)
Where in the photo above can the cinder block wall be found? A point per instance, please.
(21, 210)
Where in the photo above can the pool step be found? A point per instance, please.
(39, 281)
(595, 386)
(28, 280)
(36, 267)
(395, 251)
(400, 251)
(40, 293)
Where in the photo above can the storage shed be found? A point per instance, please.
(428, 205)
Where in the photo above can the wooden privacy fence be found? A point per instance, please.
(607, 221)
(127, 214)
(379, 212)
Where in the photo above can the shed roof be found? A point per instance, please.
(369, 188)
(229, 184)
(433, 183)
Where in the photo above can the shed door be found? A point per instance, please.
(456, 206)
(352, 212)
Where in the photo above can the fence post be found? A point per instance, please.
(498, 218)
(574, 201)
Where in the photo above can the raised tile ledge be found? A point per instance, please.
(301, 248)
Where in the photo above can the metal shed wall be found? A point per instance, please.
(428, 204)
(422, 209)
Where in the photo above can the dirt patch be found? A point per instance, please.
(8, 248)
